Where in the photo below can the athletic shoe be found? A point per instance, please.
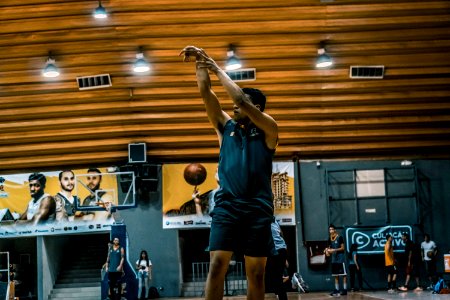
(295, 282)
(344, 292)
(403, 288)
(335, 293)
(418, 289)
(298, 283)
(391, 291)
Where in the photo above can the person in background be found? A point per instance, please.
(337, 251)
(413, 261)
(429, 251)
(144, 267)
(390, 265)
(114, 267)
(276, 264)
(354, 267)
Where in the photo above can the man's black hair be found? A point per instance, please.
(388, 236)
(256, 96)
(332, 226)
(95, 170)
(62, 172)
(405, 234)
(39, 177)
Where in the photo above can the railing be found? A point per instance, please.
(7, 287)
(235, 279)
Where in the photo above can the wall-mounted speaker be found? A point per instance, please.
(137, 153)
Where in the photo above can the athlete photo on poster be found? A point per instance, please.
(57, 202)
(189, 190)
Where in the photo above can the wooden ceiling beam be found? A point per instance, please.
(182, 136)
(208, 24)
(290, 112)
(63, 127)
(250, 39)
(163, 145)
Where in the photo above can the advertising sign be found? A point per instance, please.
(62, 202)
(447, 263)
(372, 239)
(188, 194)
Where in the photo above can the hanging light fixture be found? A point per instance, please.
(323, 59)
(100, 12)
(141, 65)
(233, 62)
(50, 69)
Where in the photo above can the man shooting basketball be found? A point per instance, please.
(243, 204)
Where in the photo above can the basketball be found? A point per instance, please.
(430, 254)
(195, 174)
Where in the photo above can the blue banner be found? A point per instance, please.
(371, 240)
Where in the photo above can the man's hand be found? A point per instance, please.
(195, 196)
(191, 51)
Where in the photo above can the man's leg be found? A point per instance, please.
(344, 285)
(336, 283)
(218, 266)
(254, 267)
(352, 270)
(280, 263)
(112, 283)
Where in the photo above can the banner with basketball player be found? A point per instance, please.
(188, 194)
(62, 202)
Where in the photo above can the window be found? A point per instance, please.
(372, 197)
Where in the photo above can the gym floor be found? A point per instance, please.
(381, 295)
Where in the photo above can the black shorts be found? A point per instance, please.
(391, 270)
(248, 234)
(430, 266)
(338, 269)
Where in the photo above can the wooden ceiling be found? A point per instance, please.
(322, 114)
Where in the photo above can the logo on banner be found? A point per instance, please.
(3, 194)
(372, 240)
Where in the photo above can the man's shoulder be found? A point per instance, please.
(49, 198)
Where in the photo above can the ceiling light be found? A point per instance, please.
(406, 162)
(141, 65)
(100, 12)
(233, 62)
(50, 69)
(323, 59)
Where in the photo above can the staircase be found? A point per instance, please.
(80, 275)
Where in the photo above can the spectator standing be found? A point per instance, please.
(337, 251)
(390, 264)
(412, 253)
(429, 251)
(144, 266)
(354, 267)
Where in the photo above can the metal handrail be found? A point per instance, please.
(8, 276)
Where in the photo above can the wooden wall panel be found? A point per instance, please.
(322, 114)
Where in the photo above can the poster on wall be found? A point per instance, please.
(188, 194)
(63, 202)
